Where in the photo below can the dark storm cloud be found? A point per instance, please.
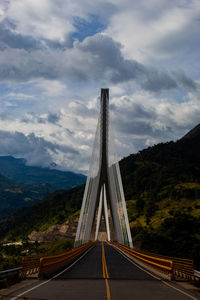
(109, 58)
(142, 128)
(156, 81)
(35, 150)
(9, 39)
(96, 58)
(134, 119)
(185, 81)
(51, 117)
(80, 109)
(133, 110)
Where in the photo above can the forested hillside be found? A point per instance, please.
(14, 195)
(162, 190)
(22, 185)
(162, 187)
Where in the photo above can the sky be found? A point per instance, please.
(56, 55)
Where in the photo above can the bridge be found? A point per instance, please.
(104, 264)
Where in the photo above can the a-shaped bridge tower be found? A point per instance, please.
(103, 212)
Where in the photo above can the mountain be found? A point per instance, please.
(162, 190)
(15, 195)
(23, 186)
(56, 208)
(193, 133)
(16, 169)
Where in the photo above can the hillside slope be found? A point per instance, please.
(15, 195)
(22, 185)
(162, 190)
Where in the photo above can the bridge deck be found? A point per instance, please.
(87, 280)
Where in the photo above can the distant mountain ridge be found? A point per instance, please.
(22, 186)
(17, 170)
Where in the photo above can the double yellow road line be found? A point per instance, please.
(105, 272)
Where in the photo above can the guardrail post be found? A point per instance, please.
(172, 275)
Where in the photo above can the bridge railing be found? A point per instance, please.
(177, 268)
(50, 264)
(9, 277)
(40, 265)
(182, 268)
(162, 264)
(30, 266)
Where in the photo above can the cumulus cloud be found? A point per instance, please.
(146, 51)
(141, 120)
(155, 30)
(51, 117)
(98, 56)
(36, 150)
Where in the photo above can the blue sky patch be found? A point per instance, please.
(87, 28)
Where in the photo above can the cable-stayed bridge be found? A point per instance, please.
(103, 200)
(104, 263)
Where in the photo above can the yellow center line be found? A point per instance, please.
(103, 264)
(105, 273)
(107, 290)
(105, 269)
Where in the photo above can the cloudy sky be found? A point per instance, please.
(55, 55)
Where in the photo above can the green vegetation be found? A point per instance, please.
(54, 209)
(162, 186)
(15, 195)
(22, 185)
(10, 255)
(162, 189)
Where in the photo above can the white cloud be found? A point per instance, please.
(143, 26)
(49, 19)
(52, 88)
(148, 55)
(40, 19)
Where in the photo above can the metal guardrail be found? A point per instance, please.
(39, 264)
(162, 264)
(6, 272)
(9, 277)
(197, 275)
(177, 268)
(30, 265)
(52, 262)
(183, 268)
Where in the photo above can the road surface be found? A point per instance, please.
(104, 274)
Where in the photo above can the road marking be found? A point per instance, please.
(35, 287)
(122, 253)
(105, 269)
(105, 273)
(102, 258)
(107, 290)
(175, 288)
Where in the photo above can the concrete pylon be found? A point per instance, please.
(103, 212)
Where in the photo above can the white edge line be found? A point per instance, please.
(175, 288)
(181, 291)
(122, 253)
(35, 287)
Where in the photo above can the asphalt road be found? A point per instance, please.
(104, 273)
